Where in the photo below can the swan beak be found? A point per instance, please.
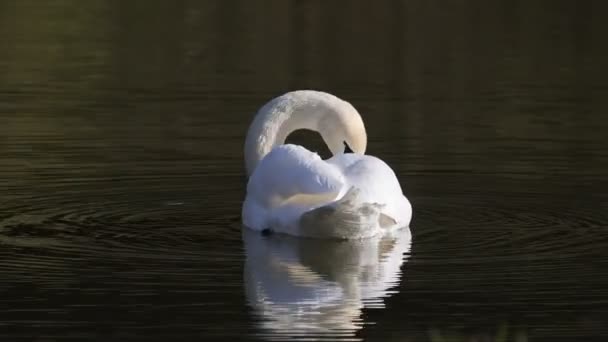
(347, 148)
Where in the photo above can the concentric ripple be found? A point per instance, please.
(477, 232)
(55, 241)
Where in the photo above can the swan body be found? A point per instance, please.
(292, 190)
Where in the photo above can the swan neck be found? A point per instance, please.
(311, 110)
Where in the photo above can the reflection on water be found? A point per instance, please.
(310, 288)
(122, 178)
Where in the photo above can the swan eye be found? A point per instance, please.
(347, 148)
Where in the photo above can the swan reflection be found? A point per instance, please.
(307, 287)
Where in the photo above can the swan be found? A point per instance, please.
(292, 190)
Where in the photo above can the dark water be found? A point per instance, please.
(121, 178)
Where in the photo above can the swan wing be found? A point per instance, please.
(377, 184)
(291, 174)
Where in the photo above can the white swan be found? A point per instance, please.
(292, 190)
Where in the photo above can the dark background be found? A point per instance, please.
(121, 172)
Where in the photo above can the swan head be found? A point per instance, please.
(344, 127)
(357, 141)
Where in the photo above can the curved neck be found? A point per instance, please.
(304, 109)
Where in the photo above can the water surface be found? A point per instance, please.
(121, 172)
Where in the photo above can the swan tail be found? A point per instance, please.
(347, 218)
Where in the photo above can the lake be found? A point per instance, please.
(122, 126)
